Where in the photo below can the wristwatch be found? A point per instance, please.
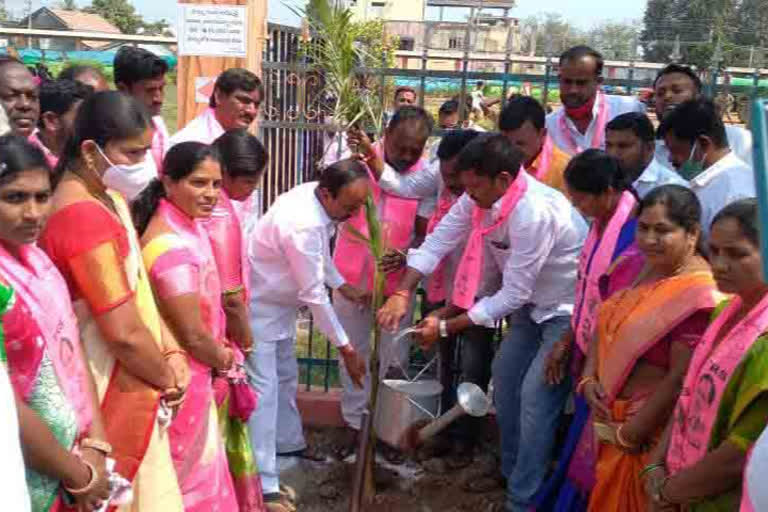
(443, 328)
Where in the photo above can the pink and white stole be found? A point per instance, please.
(44, 292)
(710, 367)
(470, 269)
(545, 157)
(228, 244)
(160, 143)
(397, 215)
(436, 291)
(598, 136)
(593, 263)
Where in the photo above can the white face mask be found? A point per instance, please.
(129, 180)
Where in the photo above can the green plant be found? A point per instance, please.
(336, 48)
(376, 245)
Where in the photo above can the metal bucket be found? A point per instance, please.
(402, 404)
(405, 402)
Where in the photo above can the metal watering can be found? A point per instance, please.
(409, 410)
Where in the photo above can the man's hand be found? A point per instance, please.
(392, 312)
(428, 332)
(392, 261)
(354, 294)
(365, 151)
(354, 364)
(557, 361)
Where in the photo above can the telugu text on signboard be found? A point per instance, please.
(212, 30)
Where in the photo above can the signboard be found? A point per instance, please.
(213, 30)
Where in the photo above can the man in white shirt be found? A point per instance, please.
(404, 95)
(580, 123)
(237, 95)
(141, 74)
(533, 249)
(630, 138)
(675, 84)
(698, 147)
(290, 265)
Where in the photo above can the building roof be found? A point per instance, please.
(85, 21)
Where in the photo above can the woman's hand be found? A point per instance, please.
(180, 368)
(94, 498)
(557, 362)
(594, 394)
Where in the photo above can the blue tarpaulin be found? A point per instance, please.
(105, 58)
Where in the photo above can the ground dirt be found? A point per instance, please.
(414, 486)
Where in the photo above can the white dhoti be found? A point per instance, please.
(357, 322)
(275, 425)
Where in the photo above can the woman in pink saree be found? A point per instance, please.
(182, 270)
(55, 393)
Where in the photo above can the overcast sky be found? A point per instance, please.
(583, 13)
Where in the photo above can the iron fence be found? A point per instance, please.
(296, 131)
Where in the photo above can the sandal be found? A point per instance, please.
(288, 493)
(309, 453)
(391, 455)
(348, 444)
(278, 504)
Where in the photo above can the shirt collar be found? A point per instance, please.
(651, 174)
(715, 170)
(322, 215)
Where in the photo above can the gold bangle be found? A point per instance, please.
(620, 438)
(178, 351)
(406, 294)
(233, 291)
(91, 483)
(96, 444)
(583, 382)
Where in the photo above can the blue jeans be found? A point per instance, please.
(527, 408)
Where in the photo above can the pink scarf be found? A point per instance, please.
(470, 269)
(545, 157)
(397, 215)
(160, 143)
(228, 244)
(44, 292)
(52, 159)
(598, 136)
(594, 261)
(436, 291)
(706, 380)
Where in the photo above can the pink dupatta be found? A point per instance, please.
(706, 380)
(44, 292)
(594, 261)
(470, 269)
(160, 143)
(228, 244)
(436, 291)
(397, 215)
(598, 136)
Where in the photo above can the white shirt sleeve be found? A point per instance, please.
(448, 234)
(415, 185)
(307, 255)
(530, 242)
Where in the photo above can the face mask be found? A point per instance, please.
(691, 168)
(129, 180)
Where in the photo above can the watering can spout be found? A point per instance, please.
(471, 400)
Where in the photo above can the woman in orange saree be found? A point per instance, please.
(643, 343)
(182, 269)
(91, 239)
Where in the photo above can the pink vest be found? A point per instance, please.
(44, 292)
(436, 291)
(593, 263)
(397, 215)
(706, 380)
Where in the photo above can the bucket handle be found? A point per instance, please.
(422, 409)
(402, 334)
